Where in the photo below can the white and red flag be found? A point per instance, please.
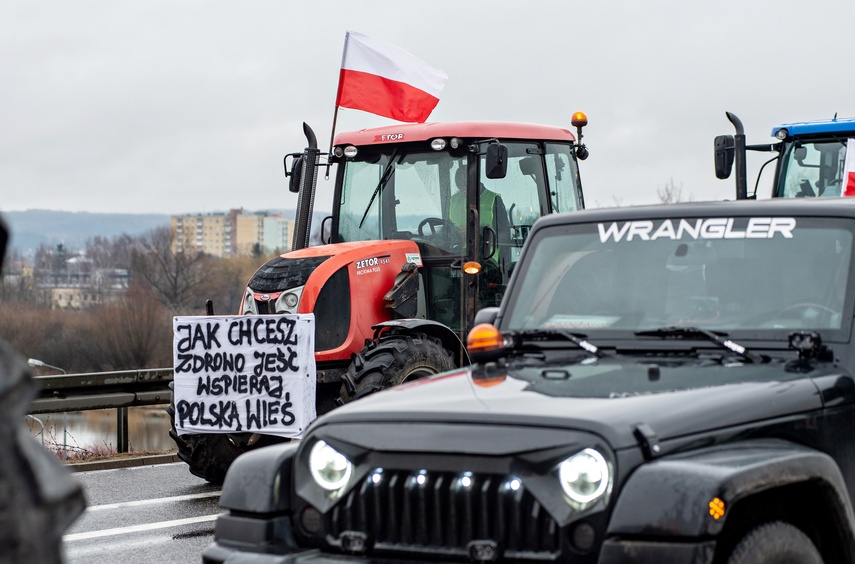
(849, 170)
(383, 79)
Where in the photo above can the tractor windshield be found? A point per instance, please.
(812, 168)
(735, 274)
(393, 193)
(399, 195)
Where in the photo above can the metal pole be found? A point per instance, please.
(122, 429)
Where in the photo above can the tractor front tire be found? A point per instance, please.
(210, 455)
(392, 360)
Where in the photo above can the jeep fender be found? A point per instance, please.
(259, 481)
(671, 497)
(450, 341)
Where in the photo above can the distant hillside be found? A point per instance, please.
(32, 228)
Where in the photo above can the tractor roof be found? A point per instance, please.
(402, 133)
(836, 125)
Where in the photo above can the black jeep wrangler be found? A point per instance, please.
(660, 384)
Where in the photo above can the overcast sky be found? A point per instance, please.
(189, 106)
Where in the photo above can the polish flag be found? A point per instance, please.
(383, 79)
(849, 170)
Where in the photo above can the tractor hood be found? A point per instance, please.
(607, 397)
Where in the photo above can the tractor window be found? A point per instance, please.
(408, 199)
(813, 169)
(520, 198)
(360, 181)
(563, 176)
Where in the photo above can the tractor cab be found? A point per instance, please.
(465, 193)
(813, 155)
(809, 158)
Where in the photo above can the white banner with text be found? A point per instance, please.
(244, 374)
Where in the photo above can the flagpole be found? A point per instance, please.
(337, 95)
(332, 138)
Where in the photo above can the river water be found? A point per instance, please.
(83, 433)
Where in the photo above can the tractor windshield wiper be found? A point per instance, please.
(384, 178)
(719, 339)
(550, 334)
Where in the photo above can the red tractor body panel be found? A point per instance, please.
(372, 267)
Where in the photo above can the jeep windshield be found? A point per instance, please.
(744, 276)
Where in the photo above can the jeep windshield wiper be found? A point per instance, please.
(549, 334)
(719, 339)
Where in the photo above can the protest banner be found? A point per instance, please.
(244, 374)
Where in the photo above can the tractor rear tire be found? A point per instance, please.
(210, 455)
(392, 360)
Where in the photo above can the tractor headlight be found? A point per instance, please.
(249, 307)
(585, 477)
(330, 469)
(288, 300)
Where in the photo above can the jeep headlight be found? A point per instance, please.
(585, 477)
(330, 469)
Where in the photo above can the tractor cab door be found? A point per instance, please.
(541, 178)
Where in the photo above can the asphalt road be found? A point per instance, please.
(159, 513)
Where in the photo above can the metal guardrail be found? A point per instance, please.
(117, 390)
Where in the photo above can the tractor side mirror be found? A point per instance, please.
(497, 161)
(799, 154)
(326, 230)
(724, 145)
(296, 173)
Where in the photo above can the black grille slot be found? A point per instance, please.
(442, 513)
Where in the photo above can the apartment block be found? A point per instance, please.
(232, 234)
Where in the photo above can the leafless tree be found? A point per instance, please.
(178, 279)
(670, 193)
(133, 332)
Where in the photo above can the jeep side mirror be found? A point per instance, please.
(724, 145)
(497, 161)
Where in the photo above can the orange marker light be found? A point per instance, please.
(484, 337)
(579, 119)
(716, 508)
(472, 267)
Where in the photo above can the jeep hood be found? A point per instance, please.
(608, 397)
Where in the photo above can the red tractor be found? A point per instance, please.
(427, 224)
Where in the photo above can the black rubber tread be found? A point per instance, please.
(392, 360)
(775, 542)
(209, 456)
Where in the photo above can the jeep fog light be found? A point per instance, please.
(330, 469)
(585, 477)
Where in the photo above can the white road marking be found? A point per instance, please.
(138, 528)
(158, 501)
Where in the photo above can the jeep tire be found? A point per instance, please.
(775, 543)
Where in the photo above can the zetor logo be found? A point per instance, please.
(389, 137)
(714, 228)
(367, 262)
